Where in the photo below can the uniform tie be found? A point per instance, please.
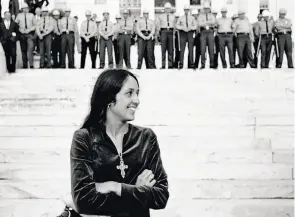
(125, 22)
(146, 24)
(106, 27)
(168, 23)
(206, 17)
(186, 20)
(87, 26)
(26, 26)
(57, 25)
(266, 22)
(44, 23)
(67, 23)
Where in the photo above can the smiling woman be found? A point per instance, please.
(116, 167)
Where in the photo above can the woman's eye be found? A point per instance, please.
(129, 93)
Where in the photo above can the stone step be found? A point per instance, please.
(179, 189)
(177, 169)
(175, 208)
(188, 143)
(60, 131)
(168, 154)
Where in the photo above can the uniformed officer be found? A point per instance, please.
(207, 21)
(56, 42)
(27, 26)
(115, 39)
(125, 34)
(256, 38)
(216, 40)
(44, 30)
(244, 31)
(197, 41)
(225, 35)
(145, 29)
(264, 29)
(69, 35)
(176, 44)
(106, 31)
(284, 30)
(88, 31)
(186, 26)
(235, 42)
(165, 27)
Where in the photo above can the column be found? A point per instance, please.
(150, 5)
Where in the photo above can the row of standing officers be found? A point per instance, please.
(58, 35)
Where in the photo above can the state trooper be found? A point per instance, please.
(186, 26)
(165, 28)
(27, 26)
(283, 27)
(176, 44)
(145, 29)
(69, 29)
(115, 39)
(125, 35)
(207, 21)
(56, 41)
(256, 38)
(197, 41)
(225, 37)
(216, 40)
(235, 42)
(44, 30)
(245, 37)
(88, 31)
(265, 31)
(106, 31)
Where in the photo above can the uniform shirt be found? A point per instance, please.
(68, 24)
(106, 28)
(206, 20)
(126, 26)
(255, 27)
(45, 25)
(242, 26)
(145, 25)
(116, 29)
(283, 25)
(261, 28)
(165, 21)
(186, 22)
(88, 28)
(7, 24)
(26, 21)
(224, 24)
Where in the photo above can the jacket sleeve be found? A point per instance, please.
(86, 199)
(155, 197)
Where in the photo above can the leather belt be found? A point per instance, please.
(69, 32)
(167, 29)
(243, 33)
(266, 34)
(283, 33)
(203, 28)
(225, 33)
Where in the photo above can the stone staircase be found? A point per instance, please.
(226, 139)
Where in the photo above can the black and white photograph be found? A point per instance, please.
(147, 108)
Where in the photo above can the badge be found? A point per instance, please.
(67, 31)
(207, 27)
(13, 34)
(285, 31)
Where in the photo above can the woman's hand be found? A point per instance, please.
(109, 187)
(146, 178)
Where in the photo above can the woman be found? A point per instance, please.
(116, 167)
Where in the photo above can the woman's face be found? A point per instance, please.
(127, 101)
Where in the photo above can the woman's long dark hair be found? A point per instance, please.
(107, 86)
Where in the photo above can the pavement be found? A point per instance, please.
(226, 139)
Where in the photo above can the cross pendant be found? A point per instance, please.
(122, 166)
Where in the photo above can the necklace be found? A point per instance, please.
(122, 166)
